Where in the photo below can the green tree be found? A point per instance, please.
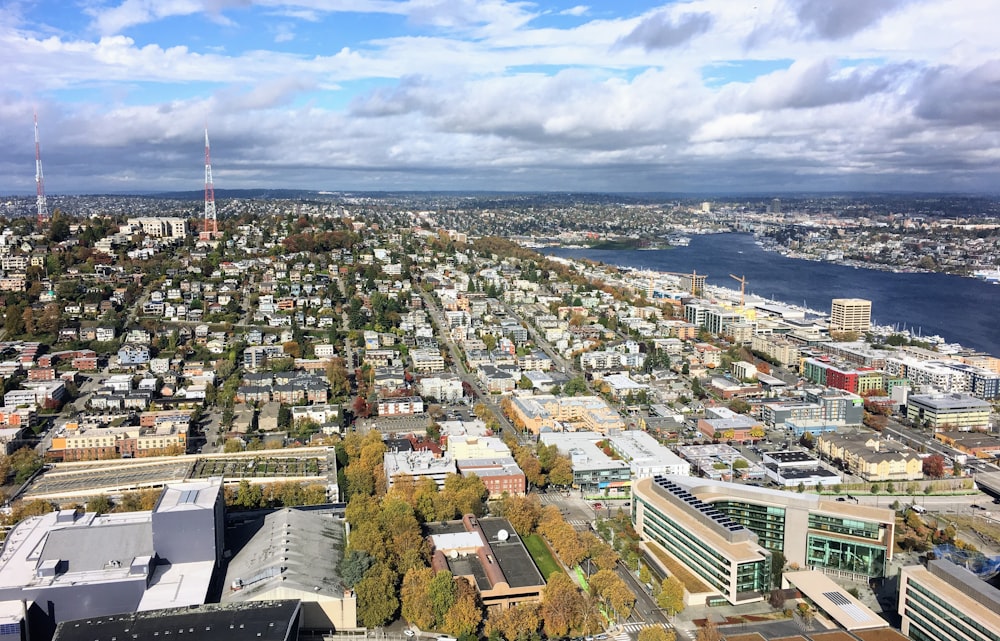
(442, 594)
(376, 594)
(575, 386)
(100, 504)
(23, 463)
(354, 565)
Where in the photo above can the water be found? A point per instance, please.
(962, 310)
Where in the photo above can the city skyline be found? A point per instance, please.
(702, 96)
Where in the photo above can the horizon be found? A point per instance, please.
(696, 97)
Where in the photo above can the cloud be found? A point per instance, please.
(808, 84)
(962, 97)
(284, 32)
(661, 31)
(578, 10)
(836, 19)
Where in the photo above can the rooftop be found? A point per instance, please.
(263, 620)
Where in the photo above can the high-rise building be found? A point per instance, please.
(947, 601)
(850, 315)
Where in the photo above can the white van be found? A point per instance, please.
(919, 509)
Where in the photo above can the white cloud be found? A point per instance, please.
(578, 10)
(467, 92)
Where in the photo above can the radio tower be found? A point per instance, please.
(211, 229)
(43, 209)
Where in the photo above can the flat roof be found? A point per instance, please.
(837, 603)
(738, 551)
(263, 620)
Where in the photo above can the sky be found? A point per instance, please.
(699, 96)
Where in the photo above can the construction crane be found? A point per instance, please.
(742, 280)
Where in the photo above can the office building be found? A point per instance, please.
(724, 533)
(491, 556)
(850, 315)
(944, 601)
(948, 412)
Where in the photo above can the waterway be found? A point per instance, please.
(962, 310)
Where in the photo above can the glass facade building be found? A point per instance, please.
(766, 521)
(809, 531)
(946, 601)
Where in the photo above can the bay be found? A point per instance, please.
(962, 310)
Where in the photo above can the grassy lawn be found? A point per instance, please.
(540, 553)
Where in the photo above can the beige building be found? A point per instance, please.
(850, 315)
(281, 562)
(547, 411)
(870, 457)
(946, 601)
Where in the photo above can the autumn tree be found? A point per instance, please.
(933, 466)
(415, 595)
(657, 633)
(563, 607)
(611, 590)
(709, 632)
(23, 463)
(561, 472)
(519, 623)
(523, 512)
(338, 377)
(466, 493)
(465, 615)
(671, 596)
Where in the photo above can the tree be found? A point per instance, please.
(338, 377)
(416, 602)
(656, 633)
(376, 593)
(519, 623)
(671, 596)
(739, 406)
(442, 594)
(575, 386)
(709, 632)
(354, 565)
(776, 599)
(607, 586)
(23, 463)
(100, 504)
(464, 617)
(249, 496)
(562, 606)
(561, 472)
(523, 512)
(933, 466)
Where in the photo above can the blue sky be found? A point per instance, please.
(695, 96)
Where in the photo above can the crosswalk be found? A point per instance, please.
(629, 630)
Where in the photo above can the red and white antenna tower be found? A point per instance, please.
(211, 225)
(43, 208)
